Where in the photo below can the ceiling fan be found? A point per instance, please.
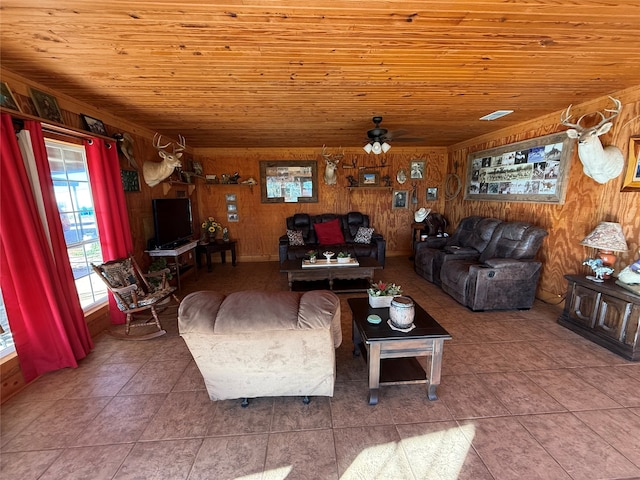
(379, 138)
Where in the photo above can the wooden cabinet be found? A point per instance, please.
(604, 313)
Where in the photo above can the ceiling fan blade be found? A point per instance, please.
(409, 139)
(389, 136)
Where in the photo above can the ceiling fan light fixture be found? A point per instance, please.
(367, 148)
(376, 148)
(386, 147)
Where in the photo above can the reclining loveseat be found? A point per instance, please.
(487, 264)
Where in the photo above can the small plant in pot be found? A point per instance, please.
(344, 257)
(381, 293)
(313, 255)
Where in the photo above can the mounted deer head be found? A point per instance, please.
(601, 164)
(332, 160)
(156, 172)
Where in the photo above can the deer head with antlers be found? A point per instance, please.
(332, 160)
(600, 163)
(156, 172)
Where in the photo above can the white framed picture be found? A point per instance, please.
(232, 217)
(232, 207)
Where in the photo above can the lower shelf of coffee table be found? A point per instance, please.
(398, 370)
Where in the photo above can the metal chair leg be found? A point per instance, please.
(245, 403)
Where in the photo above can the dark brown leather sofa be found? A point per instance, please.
(486, 264)
(349, 225)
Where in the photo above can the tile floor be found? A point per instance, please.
(521, 398)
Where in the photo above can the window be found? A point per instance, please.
(72, 190)
(6, 340)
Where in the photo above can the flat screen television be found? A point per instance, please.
(172, 221)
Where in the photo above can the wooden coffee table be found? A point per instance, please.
(365, 270)
(391, 354)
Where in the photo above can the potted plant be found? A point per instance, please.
(312, 254)
(344, 257)
(381, 294)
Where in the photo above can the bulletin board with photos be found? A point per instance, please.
(534, 171)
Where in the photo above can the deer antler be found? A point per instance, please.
(182, 144)
(564, 119)
(615, 111)
(156, 142)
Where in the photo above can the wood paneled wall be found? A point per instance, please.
(261, 224)
(587, 202)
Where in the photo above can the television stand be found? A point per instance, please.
(188, 248)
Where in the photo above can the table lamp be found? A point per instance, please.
(607, 237)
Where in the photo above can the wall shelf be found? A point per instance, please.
(166, 187)
(370, 188)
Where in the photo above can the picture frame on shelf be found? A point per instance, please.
(417, 169)
(94, 125)
(400, 199)
(368, 178)
(46, 105)
(7, 100)
(289, 181)
(632, 176)
(432, 194)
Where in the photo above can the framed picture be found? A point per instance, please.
(232, 217)
(7, 99)
(46, 105)
(230, 197)
(232, 207)
(432, 194)
(417, 169)
(400, 199)
(130, 180)
(534, 170)
(632, 177)
(369, 179)
(94, 125)
(289, 181)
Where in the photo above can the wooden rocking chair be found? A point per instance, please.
(134, 293)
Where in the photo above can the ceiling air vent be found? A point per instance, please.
(497, 114)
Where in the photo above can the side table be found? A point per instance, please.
(176, 253)
(217, 246)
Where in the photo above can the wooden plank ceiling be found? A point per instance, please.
(267, 73)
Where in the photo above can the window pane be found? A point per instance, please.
(77, 214)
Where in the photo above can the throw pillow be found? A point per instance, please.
(295, 238)
(329, 233)
(364, 235)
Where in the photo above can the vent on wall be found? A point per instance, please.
(496, 114)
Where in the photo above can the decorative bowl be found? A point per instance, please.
(328, 255)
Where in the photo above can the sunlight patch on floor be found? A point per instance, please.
(438, 455)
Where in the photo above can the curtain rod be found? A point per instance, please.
(56, 127)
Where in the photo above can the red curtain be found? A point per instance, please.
(111, 207)
(46, 320)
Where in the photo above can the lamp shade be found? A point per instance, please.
(367, 148)
(386, 147)
(376, 148)
(606, 236)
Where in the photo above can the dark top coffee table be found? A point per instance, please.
(365, 269)
(391, 354)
